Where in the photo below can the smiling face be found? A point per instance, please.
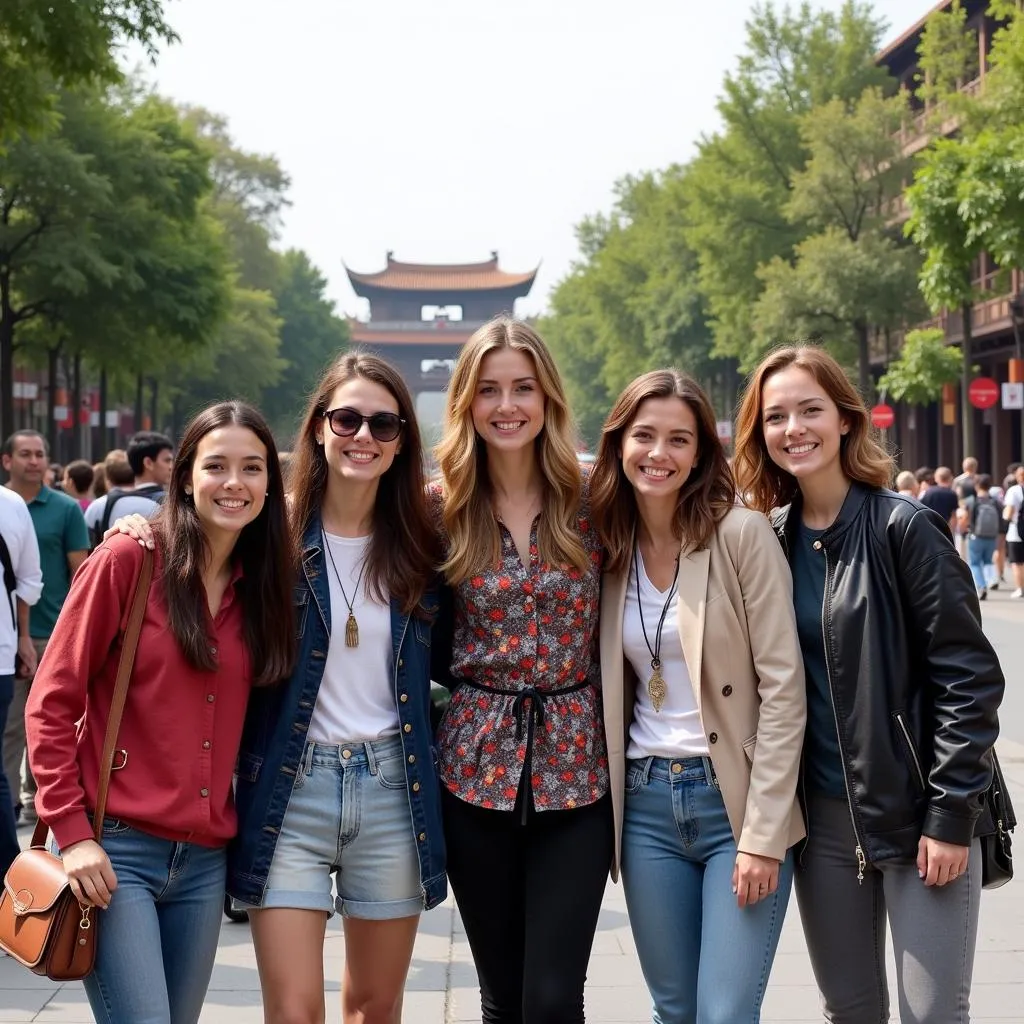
(508, 405)
(229, 479)
(659, 448)
(360, 458)
(803, 427)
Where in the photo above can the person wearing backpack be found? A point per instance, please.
(151, 457)
(984, 516)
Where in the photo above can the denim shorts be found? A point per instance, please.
(349, 815)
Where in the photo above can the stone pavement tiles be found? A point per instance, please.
(442, 986)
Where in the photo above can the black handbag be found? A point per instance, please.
(996, 856)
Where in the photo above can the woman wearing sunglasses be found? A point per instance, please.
(522, 755)
(336, 774)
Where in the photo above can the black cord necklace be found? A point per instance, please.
(656, 684)
(351, 626)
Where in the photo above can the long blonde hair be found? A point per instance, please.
(762, 483)
(474, 541)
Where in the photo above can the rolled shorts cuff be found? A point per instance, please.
(291, 899)
(389, 910)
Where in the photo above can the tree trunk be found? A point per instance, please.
(966, 409)
(139, 384)
(154, 402)
(79, 448)
(105, 444)
(6, 358)
(864, 361)
(52, 356)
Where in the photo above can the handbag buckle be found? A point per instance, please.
(115, 767)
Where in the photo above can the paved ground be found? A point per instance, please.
(442, 983)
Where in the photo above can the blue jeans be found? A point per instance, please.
(704, 959)
(979, 555)
(158, 939)
(8, 828)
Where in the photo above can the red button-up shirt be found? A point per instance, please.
(181, 727)
(519, 626)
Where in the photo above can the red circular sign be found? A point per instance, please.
(883, 416)
(983, 393)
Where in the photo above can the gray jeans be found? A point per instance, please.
(934, 929)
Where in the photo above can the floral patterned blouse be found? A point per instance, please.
(526, 630)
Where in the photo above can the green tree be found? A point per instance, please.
(102, 234)
(740, 183)
(70, 42)
(852, 274)
(631, 303)
(967, 197)
(312, 334)
(925, 364)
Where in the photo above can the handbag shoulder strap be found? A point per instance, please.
(124, 674)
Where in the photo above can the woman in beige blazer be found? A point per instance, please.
(704, 705)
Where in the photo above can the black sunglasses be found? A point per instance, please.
(344, 422)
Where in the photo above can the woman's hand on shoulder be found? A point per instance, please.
(753, 878)
(90, 873)
(135, 526)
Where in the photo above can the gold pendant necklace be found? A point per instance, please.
(657, 688)
(351, 626)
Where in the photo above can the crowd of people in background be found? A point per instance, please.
(639, 686)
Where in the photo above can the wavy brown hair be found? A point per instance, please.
(473, 536)
(704, 498)
(403, 551)
(763, 484)
(263, 548)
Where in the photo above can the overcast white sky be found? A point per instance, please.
(443, 129)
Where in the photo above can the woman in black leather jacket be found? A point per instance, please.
(902, 693)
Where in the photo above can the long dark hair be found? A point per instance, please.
(264, 549)
(703, 500)
(403, 550)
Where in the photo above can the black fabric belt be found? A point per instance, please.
(526, 693)
(534, 717)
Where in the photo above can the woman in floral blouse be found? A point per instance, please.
(522, 754)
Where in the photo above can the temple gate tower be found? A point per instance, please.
(422, 313)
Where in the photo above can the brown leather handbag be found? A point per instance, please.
(42, 924)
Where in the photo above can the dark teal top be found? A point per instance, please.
(60, 529)
(823, 763)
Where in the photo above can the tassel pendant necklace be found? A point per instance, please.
(351, 626)
(657, 689)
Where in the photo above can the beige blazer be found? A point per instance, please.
(739, 639)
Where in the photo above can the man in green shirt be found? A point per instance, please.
(63, 546)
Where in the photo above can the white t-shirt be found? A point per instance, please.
(1015, 499)
(675, 730)
(356, 699)
(20, 537)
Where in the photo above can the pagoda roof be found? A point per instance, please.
(442, 277)
(362, 334)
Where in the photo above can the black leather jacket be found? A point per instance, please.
(915, 683)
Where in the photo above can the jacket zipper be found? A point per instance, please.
(859, 848)
(910, 747)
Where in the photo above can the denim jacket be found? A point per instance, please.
(278, 720)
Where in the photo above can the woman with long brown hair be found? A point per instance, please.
(704, 705)
(522, 754)
(336, 775)
(217, 623)
(902, 692)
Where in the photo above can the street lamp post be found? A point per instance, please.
(1017, 364)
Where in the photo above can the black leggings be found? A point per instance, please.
(529, 895)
